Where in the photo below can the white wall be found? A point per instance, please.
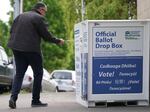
(143, 9)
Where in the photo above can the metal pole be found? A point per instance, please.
(129, 10)
(82, 9)
(21, 6)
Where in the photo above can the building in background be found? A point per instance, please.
(143, 9)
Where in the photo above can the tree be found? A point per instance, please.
(107, 9)
(4, 34)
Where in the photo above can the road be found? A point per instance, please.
(60, 102)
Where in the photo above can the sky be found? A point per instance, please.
(4, 9)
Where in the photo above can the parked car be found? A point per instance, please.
(46, 84)
(28, 81)
(63, 80)
(6, 71)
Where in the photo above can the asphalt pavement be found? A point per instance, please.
(60, 102)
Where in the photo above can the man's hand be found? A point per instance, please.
(61, 42)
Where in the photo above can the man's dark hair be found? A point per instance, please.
(38, 5)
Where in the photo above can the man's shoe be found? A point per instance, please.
(39, 104)
(12, 104)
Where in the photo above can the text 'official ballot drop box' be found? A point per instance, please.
(112, 61)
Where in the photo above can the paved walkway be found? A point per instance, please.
(60, 102)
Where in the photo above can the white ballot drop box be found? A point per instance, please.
(112, 62)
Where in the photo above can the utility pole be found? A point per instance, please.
(82, 9)
(18, 7)
(129, 10)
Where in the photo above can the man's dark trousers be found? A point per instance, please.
(22, 61)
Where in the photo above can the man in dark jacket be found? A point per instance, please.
(26, 33)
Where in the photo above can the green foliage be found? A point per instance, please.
(4, 35)
(107, 9)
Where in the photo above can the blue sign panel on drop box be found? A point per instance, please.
(112, 75)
